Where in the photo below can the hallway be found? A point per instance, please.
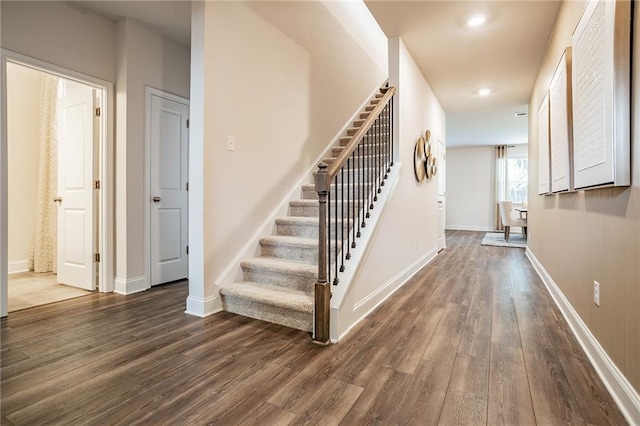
(473, 338)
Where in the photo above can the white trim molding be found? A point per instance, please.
(203, 308)
(128, 286)
(18, 266)
(371, 302)
(470, 228)
(619, 387)
(107, 216)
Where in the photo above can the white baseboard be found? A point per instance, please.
(619, 387)
(470, 228)
(130, 286)
(18, 266)
(371, 302)
(202, 308)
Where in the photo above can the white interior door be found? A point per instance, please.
(442, 191)
(76, 115)
(169, 174)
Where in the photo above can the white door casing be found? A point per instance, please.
(442, 186)
(168, 134)
(76, 115)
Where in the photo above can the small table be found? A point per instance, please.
(523, 215)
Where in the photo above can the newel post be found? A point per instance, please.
(322, 288)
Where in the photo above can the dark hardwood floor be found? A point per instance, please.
(473, 338)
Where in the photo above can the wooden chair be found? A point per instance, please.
(506, 207)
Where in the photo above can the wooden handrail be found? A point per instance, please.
(333, 169)
(381, 114)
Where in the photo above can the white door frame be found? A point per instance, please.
(105, 147)
(148, 92)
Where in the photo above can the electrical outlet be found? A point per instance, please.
(596, 293)
(416, 243)
(231, 143)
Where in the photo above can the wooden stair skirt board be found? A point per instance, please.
(278, 286)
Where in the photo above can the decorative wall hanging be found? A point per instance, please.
(560, 129)
(419, 159)
(544, 170)
(424, 160)
(601, 95)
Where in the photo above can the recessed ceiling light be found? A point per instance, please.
(484, 92)
(476, 20)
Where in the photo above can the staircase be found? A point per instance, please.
(279, 285)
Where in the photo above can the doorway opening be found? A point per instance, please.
(54, 204)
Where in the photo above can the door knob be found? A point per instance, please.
(57, 200)
(156, 199)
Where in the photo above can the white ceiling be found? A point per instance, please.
(170, 18)
(504, 54)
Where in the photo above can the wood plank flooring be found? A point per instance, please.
(474, 338)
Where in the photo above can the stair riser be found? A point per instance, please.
(361, 161)
(296, 253)
(380, 136)
(300, 254)
(312, 210)
(274, 314)
(378, 148)
(350, 191)
(298, 230)
(307, 231)
(282, 279)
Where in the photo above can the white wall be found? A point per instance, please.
(23, 115)
(471, 196)
(594, 235)
(144, 58)
(407, 235)
(471, 188)
(284, 93)
(60, 34)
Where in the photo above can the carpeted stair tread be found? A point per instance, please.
(289, 240)
(289, 307)
(296, 220)
(282, 297)
(290, 247)
(281, 266)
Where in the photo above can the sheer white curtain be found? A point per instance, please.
(501, 189)
(43, 257)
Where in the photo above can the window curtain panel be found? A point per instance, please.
(43, 256)
(501, 183)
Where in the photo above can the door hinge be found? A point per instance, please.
(187, 186)
(96, 184)
(98, 112)
(187, 123)
(187, 249)
(96, 257)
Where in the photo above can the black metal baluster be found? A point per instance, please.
(371, 189)
(362, 184)
(355, 191)
(329, 234)
(386, 141)
(335, 239)
(377, 157)
(349, 210)
(391, 147)
(342, 221)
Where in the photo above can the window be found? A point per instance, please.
(517, 180)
